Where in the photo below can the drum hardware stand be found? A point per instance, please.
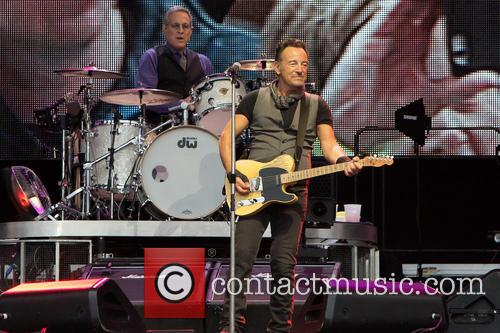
(111, 150)
(184, 106)
(62, 205)
(64, 181)
(87, 134)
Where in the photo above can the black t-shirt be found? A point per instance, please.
(247, 105)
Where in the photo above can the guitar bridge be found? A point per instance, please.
(249, 202)
(256, 184)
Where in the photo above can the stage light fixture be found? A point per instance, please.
(412, 121)
(26, 191)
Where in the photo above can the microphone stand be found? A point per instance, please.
(87, 134)
(420, 271)
(232, 205)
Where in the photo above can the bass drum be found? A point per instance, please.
(182, 175)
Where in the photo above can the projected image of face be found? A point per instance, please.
(41, 37)
(367, 58)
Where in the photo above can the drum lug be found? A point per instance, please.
(141, 149)
(208, 86)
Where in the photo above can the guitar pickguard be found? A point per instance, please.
(272, 187)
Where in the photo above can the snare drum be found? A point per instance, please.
(124, 159)
(181, 174)
(213, 101)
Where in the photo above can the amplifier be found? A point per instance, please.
(258, 314)
(129, 277)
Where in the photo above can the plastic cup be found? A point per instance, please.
(352, 212)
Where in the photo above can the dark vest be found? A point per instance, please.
(170, 74)
(271, 139)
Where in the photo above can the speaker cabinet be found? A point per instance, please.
(382, 313)
(320, 211)
(356, 307)
(79, 306)
(477, 308)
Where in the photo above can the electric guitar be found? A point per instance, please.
(268, 181)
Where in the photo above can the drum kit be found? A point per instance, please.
(172, 170)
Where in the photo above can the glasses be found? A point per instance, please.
(178, 26)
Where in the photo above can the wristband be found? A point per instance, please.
(237, 174)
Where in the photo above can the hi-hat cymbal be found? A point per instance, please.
(91, 72)
(257, 65)
(139, 96)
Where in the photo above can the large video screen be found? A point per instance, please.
(367, 58)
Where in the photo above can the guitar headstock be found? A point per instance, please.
(377, 161)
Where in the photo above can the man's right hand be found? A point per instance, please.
(241, 186)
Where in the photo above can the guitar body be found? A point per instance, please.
(272, 189)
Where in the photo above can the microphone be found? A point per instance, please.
(182, 106)
(231, 70)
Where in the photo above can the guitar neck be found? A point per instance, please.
(310, 173)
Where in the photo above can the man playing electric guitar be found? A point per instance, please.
(284, 120)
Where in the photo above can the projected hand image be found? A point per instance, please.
(404, 57)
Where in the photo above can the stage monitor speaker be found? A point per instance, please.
(77, 306)
(477, 307)
(382, 313)
(356, 310)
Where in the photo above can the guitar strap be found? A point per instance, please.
(304, 114)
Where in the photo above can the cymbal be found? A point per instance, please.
(138, 96)
(90, 71)
(257, 65)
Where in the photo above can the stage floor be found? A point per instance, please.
(113, 228)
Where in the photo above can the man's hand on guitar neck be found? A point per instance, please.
(353, 167)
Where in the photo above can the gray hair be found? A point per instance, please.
(176, 9)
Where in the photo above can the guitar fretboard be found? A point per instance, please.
(310, 173)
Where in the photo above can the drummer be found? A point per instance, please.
(172, 66)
